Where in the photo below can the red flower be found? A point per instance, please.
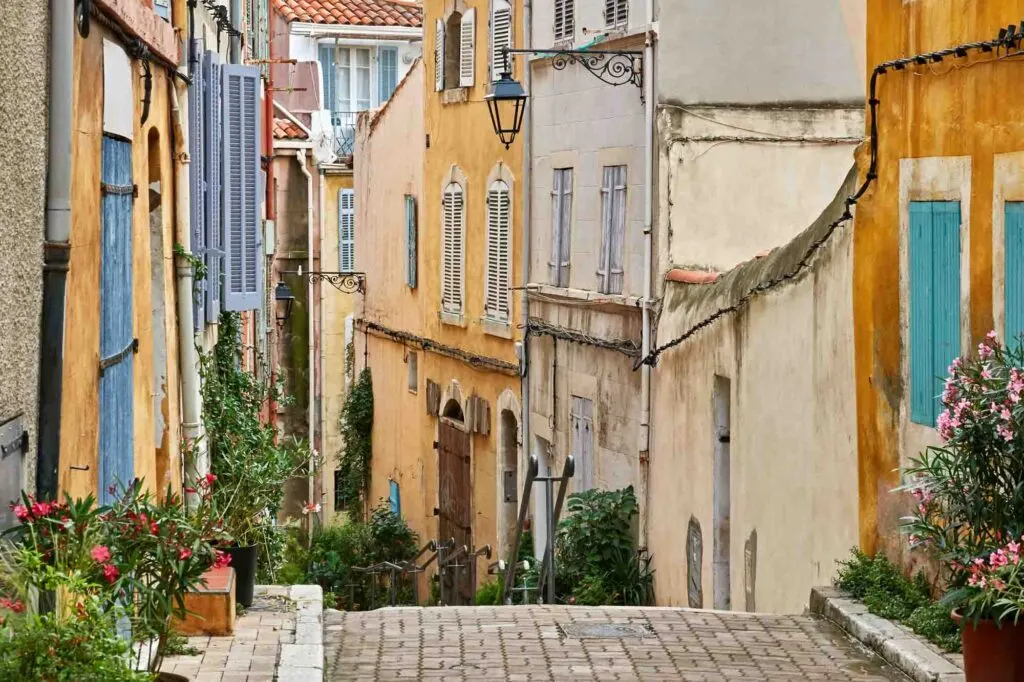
(223, 559)
(100, 554)
(21, 511)
(110, 572)
(40, 509)
(190, 491)
(13, 605)
(210, 478)
(184, 553)
(153, 527)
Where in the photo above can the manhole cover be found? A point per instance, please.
(606, 630)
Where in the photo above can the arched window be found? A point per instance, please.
(452, 50)
(452, 249)
(499, 253)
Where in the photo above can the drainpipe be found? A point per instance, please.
(645, 343)
(527, 178)
(273, 335)
(188, 357)
(236, 41)
(320, 307)
(300, 154)
(56, 249)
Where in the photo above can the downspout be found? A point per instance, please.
(188, 357)
(273, 335)
(236, 41)
(300, 154)
(525, 247)
(56, 248)
(644, 458)
(320, 307)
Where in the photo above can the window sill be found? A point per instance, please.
(582, 295)
(454, 319)
(496, 328)
(454, 95)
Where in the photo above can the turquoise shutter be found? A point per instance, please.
(934, 258)
(1013, 284)
(395, 499)
(387, 72)
(117, 346)
(241, 199)
(410, 241)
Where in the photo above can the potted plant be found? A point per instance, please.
(969, 506)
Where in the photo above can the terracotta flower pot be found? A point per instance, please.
(992, 653)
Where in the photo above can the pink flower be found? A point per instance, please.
(40, 509)
(190, 491)
(1006, 432)
(914, 540)
(985, 351)
(998, 559)
(991, 337)
(1013, 548)
(223, 559)
(12, 604)
(311, 507)
(184, 553)
(986, 373)
(100, 554)
(210, 478)
(110, 573)
(21, 511)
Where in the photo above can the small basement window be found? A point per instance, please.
(412, 362)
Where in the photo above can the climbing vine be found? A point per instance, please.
(357, 432)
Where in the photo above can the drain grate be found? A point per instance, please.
(606, 630)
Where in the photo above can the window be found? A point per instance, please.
(581, 420)
(395, 499)
(412, 368)
(346, 230)
(452, 249)
(561, 226)
(163, 9)
(616, 13)
(411, 238)
(613, 229)
(934, 258)
(496, 305)
(1013, 285)
(452, 53)
(565, 19)
(347, 90)
(467, 49)
(339, 485)
(501, 35)
(387, 72)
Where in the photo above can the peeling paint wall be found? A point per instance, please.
(24, 53)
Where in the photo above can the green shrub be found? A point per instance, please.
(490, 593)
(933, 622)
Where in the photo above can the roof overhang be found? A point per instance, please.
(312, 30)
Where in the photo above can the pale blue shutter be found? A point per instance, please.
(213, 125)
(394, 497)
(346, 230)
(934, 260)
(117, 345)
(410, 241)
(1014, 277)
(243, 259)
(387, 72)
(197, 186)
(327, 66)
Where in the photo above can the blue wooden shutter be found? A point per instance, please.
(213, 125)
(395, 498)
(934, 259)
(243, 259)
(117, 345)
(1013, 285)
(346, 230)
(387, 72)
(197, 188)
(410, 241)
(327, 66)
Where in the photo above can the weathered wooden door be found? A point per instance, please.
(455, 512)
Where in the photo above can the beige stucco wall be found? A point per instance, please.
(789, 358)
(24, 37)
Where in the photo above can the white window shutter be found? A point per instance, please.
(439, 55)
(346, 230)
(243, 256)
(618, 234)
(467, 48)
(561, 232)
(496, 305)
(616, 13)
(452, 248)
(214, 126)
(565, 20)
(501, 35)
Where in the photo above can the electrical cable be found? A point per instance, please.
(471, 359)
(539, 327)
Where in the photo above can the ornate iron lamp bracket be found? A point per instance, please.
(345, 282)
(614, 67)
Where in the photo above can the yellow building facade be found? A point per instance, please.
(950, 140)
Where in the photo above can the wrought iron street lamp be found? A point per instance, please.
(507, 100)
(283, 300)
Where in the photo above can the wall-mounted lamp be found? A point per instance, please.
(283, 300)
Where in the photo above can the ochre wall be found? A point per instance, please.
(156, 455)
(938, 110)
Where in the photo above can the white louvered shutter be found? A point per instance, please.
(439, 55)
(346, 230)
(452, 247)
(214, 125)
(616, 13)
(501, 35)
(613, 229)
(243, 257)
(565, 19)
(467, 48)
(561, 230)
(496, 306)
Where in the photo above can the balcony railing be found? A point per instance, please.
(344, 124)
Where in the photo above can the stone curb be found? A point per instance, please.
(302, 661)
(898, 646)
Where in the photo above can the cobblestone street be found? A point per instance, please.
(581, 643)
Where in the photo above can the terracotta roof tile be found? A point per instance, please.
(287, 130)
(691, 276)
(352, 12)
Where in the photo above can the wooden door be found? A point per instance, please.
(455, 511)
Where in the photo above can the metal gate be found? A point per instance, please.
(455, 511)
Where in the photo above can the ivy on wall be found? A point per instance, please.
(357, 432)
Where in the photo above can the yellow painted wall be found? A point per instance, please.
(335, 307)
(156, 455)
(939, 110)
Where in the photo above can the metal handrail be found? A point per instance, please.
(524, 508)
(547, 567)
